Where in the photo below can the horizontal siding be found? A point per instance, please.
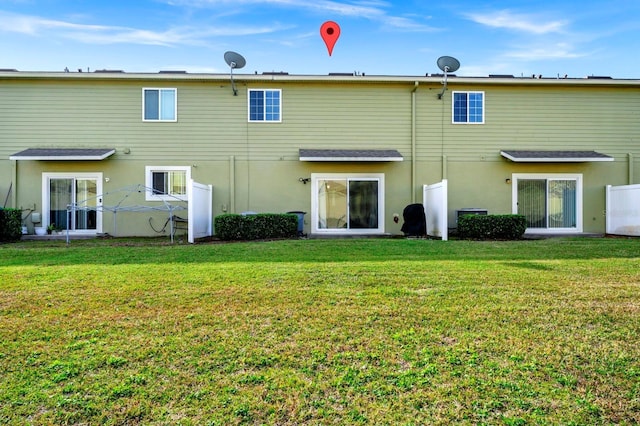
(212, 123)
(604, 120)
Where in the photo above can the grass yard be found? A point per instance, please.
(394, 331)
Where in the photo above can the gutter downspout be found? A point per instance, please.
(413, 141)
(444, 167)
(630, 169)
(14, 188)
(232, 184)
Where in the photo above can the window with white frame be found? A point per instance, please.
(468, 107)
(166, 183)
(265, 105)
(159, 104)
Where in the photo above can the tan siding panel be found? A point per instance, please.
(605, 120)
(212, 123)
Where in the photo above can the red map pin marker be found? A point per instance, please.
(330, 31)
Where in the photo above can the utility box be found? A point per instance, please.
(470, 210)
(300, 221)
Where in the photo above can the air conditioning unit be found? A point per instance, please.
(470, 210)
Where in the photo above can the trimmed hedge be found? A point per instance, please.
(10, 224)
(492, 227)
(256, 226)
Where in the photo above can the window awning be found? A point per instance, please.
(64, 154)
(554, 156)
(350, 155)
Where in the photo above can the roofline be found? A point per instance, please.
(354, 159)
(63, 157)
(337, 77)
(543, 159)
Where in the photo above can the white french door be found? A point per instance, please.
(82, 190)
(550, 202)
(347, 203)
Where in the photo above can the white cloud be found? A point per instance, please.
(373, 10)
(547, 52)
(365, 9)
(101, 34)
(406, 24)
(527, 23)
(33, 25)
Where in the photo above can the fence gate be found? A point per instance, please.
(200, 198)
(436, 207)
(623, 210)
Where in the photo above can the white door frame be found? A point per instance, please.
(46, 177)
(550, 176)
(315, 177)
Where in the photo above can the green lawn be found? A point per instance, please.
(368, 331)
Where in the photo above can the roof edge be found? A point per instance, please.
(350, 155)
(580, 157)
(351, 159)
(24, 155)
(284, 77)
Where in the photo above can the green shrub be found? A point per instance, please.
(256, 226)
(492, 227)
(10, 224)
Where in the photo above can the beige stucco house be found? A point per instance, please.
(350, 150)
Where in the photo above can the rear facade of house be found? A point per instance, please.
(350, 151)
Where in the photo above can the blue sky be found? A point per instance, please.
(576, 38)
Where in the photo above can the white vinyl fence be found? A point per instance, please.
(435, 201)
(623, 210)
(200, 198)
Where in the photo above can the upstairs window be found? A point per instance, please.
(265, 105)
(159, 105)
(468, 107)
(167, 183)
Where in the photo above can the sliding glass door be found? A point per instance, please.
(347, 203)
(551, 203)
(81, 190)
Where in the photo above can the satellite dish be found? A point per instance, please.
(447, 64)
(234, 60)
